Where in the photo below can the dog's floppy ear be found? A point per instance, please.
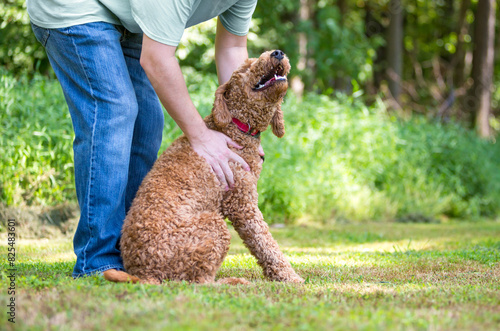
(278, 123)
(220, 112)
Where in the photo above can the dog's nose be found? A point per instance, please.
(278, 54)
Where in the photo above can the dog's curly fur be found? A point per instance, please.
(175, 229)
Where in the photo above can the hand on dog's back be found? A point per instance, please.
(213, 147)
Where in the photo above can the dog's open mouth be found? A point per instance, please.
(275, 75)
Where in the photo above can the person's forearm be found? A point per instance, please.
(165, 75)
(230, 53)
(228, 60)
(162, 68)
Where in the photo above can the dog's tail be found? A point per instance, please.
(118, 276)
(233, 281)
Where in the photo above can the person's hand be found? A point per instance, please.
(213, 147)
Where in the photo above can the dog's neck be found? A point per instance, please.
(246, 128)
(237, 134)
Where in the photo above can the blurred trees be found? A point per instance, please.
(482, 65)
(438, 58)
(395, 48)
(417, 55)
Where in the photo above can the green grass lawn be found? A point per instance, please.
(375, 276)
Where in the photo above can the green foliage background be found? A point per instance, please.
(346, 47)
(344, 157)
(20, 52)
(343, 160)
(339, 160)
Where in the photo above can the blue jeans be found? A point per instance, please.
(118, 123)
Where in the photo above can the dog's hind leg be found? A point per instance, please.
(206, 242)
(188, 250)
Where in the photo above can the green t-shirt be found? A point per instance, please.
(161, 20)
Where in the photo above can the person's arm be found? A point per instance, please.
(230, 53)
(164, 72)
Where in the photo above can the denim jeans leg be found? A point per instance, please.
(148, 127)
(89, 63)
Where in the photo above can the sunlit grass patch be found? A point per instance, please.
(48, 250)
(358, 277)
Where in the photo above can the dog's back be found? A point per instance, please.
(174, 225)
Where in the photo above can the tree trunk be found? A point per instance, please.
(297, 82)
(482, 65)
(342, 83)
(374, 28)
(459, 57)
(342, 4)
(395, 48)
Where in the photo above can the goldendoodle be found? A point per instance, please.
(176, 229)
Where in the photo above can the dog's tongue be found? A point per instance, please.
(272, 80)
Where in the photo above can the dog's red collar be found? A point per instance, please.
(246, 128)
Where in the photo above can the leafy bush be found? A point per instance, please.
(36, 161)
(20, 52)
(339, 159)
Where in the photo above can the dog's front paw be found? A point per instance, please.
(292, 277)
(285, 275)
(296, 279)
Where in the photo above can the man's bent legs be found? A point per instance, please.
(149, 123)
(89, 63)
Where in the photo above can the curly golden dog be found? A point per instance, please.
(175, 229)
